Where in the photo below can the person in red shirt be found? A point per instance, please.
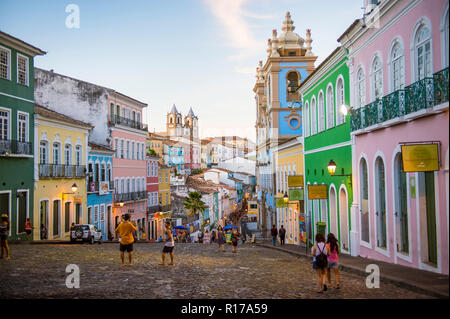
(28, 228)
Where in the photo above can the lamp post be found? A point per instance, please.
(332, 169)
(74, 190)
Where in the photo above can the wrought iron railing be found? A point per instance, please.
(61, 171)
(94, 187)
(128, 197)
(420, 95)
(9, 147)
(115, 119)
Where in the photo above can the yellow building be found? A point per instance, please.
(289, 162)
(155, 142)
(164, 187)
(60, 173)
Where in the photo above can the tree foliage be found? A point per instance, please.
(194, 204)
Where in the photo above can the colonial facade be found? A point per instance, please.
(327, 138)
(100, 188)
(17, 132)
(60, 196)
(398, 57)
(278, 117)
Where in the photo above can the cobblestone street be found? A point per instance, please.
(200, 271)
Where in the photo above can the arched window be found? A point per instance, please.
(360, 88)
(43, 153)
(340, 100)
(68, 154)
(78, 155)
(321, 111)
(376, 78)
(401, 206)
(444, 38)
(292, 77)
(397, 67)
(423, 53)
(330, 107)
(380, 202)
(56, 153)
(306, 119)
(364, 200)
(313, 116)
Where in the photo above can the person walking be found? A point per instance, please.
(234, 239)
(274, 233)
(282, 234)
(320, 253)
(333, 262)
(125, 230)
(28, 228)
(4, 231)
(221, 238)
(213, 236)
(168, 246)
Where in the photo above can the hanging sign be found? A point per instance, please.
(280, 202)
(317, 192)
(104, 188)
(296, 194)
(420, 157)
(295, 181)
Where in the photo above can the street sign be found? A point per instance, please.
(317, 192)
(420, 157)
(280, 202)
(296, 194)
(295, 181)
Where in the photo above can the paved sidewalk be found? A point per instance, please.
(426, 282)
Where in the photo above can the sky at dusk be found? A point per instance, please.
(193, 53)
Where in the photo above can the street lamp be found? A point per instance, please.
(344, 109)
(74, 187)
(332, 169)
(121, 204)
(285, 198)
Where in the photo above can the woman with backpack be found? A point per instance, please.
(333, 262)
(320, 252)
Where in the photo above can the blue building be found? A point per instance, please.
(100, 188)
(279, 114)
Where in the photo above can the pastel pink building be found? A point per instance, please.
(152, 185)
(128, 136)
(398, 55)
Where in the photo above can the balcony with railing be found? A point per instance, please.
(94, 187)
(129, 197)
(15, 148)
(116, 119)
(421, 95)
(61, 171)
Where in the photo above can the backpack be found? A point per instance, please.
(322, 258)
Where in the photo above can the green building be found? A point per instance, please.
(327, 141)
(17, 131)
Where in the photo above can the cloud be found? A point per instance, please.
(237, 30)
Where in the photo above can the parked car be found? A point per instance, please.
(86, 232)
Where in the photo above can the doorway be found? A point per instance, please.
(43, 218)
(333, 212)
(428, 233)
(343, 217)
(56, 218)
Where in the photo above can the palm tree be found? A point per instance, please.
(194, 204)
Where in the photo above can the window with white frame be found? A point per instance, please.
(445, 39)
(95, 214)
(397, 67)
(5, 63)
(340, 100)
(56, 153)
(43, 152)
(313, 116)
(22, 127)
(149, 166)
(306, 119)
(4, 124)
(423, 53)
(321, 111)
(68, 154)
(330, 107)
(138, 146)
(22, 69)
(132, 151)
(116, 147)
(78, 155)
(128, 150)
(360, 88)
(376, 78)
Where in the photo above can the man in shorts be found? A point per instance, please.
(125, 230)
